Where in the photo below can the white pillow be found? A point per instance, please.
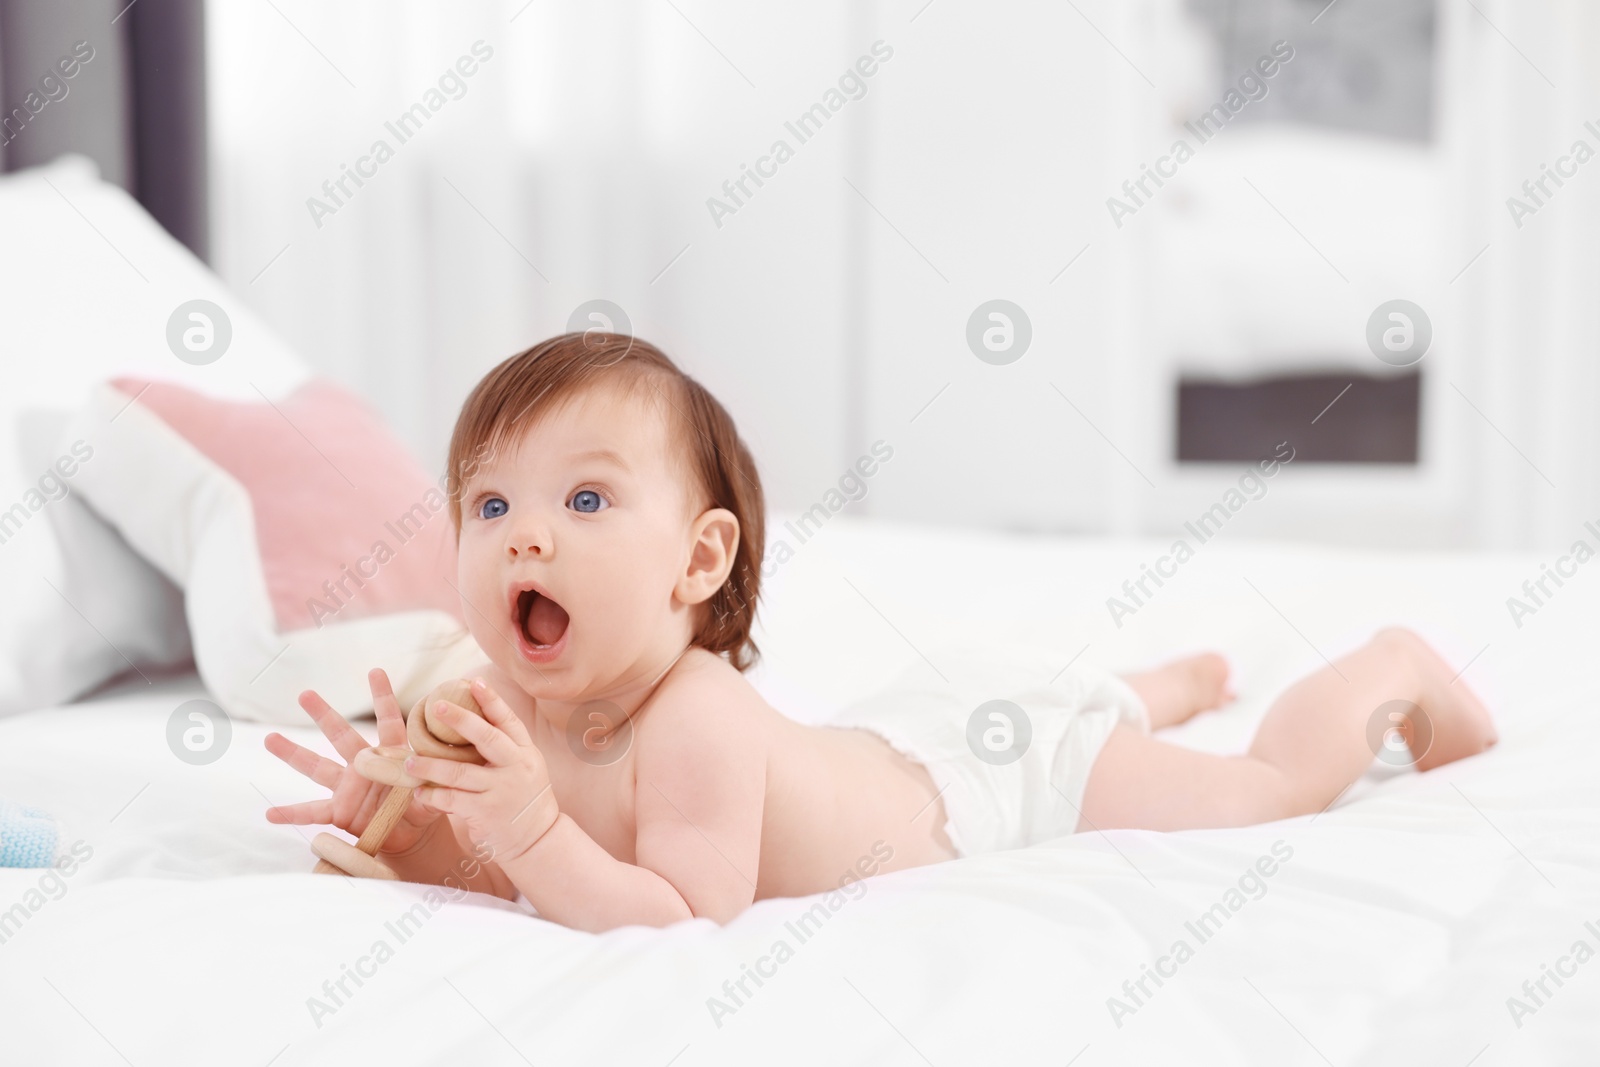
(310, 545)
(90, 282)
(116, 612)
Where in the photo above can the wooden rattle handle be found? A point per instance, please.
(386, 764)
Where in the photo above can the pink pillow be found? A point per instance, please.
(310, 546)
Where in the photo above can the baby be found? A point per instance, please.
(609, 554)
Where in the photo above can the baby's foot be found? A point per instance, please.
(1457, 723)
(1176, 691)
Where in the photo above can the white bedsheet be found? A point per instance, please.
(1405, 918)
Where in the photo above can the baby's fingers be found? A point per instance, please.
(309, 813)
(333, 725)
(319, 769)
(445, 801)
(466, 776)
(491, 742)
(391, 720)
(498, 712)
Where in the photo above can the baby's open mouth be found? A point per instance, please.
(541, 619)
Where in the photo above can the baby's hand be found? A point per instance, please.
(506, 805)
(355, 799)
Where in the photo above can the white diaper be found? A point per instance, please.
(1001, 792)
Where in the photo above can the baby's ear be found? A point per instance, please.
(714, 538)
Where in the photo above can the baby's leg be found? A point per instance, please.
(1310, 747)
(1176, 691)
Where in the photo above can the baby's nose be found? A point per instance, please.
(528, 536)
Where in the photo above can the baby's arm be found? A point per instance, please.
(700, 784)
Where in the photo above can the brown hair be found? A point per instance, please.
(707, 451)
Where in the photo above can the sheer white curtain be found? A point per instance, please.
(830, 309)
(1534, 291)
(573, 163)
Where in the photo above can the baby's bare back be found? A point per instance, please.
(839, 803)
(840, 800)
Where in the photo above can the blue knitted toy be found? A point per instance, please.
(27, 836)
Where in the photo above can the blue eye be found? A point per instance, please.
(588, 501)
(492, 502)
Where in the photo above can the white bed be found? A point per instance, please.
(1407, 915)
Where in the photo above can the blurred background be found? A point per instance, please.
(1078, 265)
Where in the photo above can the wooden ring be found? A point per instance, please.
(429, 737)
(341, 857)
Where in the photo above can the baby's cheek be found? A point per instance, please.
(480, 605)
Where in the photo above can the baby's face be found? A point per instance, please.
(604, 538)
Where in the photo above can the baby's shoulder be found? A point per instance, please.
(704, 696)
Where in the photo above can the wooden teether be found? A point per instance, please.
(386, 764)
